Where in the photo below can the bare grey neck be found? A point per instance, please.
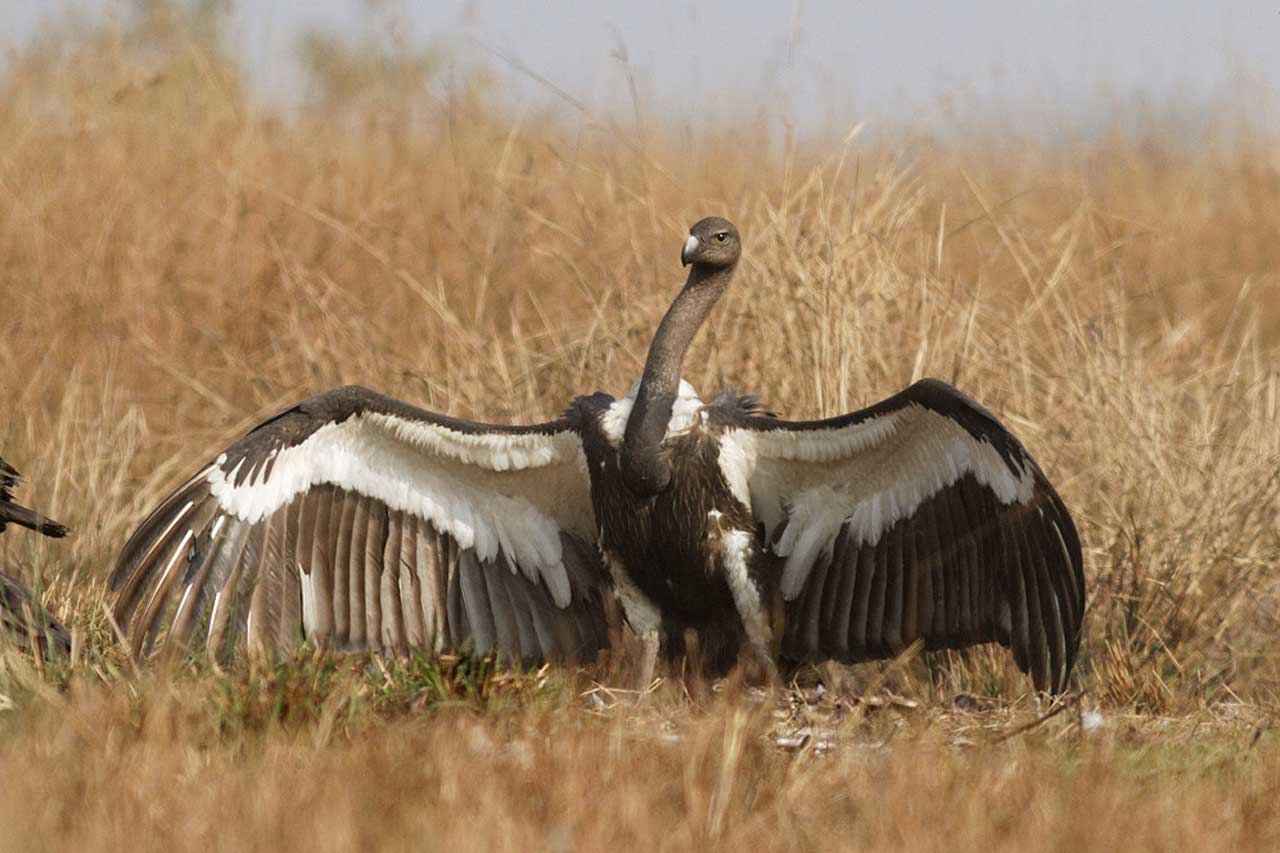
(644, 468)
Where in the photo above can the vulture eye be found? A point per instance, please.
(722, 236)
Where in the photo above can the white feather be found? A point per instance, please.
(217, 602)
(684, 413)
(310, 621)
(456, 481)
(182, 604)
(179, 516)
(1066, 552)
(871, 474)
(178, 553)
(494, 451)
(811, 529)
(735, 548)
(737, 462)
(557, 579)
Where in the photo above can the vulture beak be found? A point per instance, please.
(690, 246)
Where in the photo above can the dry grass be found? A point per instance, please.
(176, 263)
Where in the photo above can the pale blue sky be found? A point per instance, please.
(1041, 64)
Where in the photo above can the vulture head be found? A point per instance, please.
(713, 243)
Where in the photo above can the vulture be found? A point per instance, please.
(357, 522)
(22, 619)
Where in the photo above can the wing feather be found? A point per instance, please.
(1038, 649)
(1052, 601)
(410, 595)
(548, 637)
(862, 638)
(894, 598)
(963, 530)
(433, 591)
(837, 622)
(811, 625)
(460, 623)
(225, 575)
(319, 568)
(278, 583)
(343, 520)
(875, 605)
(358, 615)
(475, 598)
(951, 567)
(393, 627)
(530, 649)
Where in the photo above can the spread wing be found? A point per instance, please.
(22, 619)
(355, 521)
(920, 518)
(12, 513)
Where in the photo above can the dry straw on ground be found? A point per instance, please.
(177, 262)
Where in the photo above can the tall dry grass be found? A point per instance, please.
(176, 262)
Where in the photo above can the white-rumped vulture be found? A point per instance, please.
(22, 619)
(358, 522)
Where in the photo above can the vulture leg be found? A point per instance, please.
(749, 602)
(645, 620)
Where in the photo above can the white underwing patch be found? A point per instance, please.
(828, 445)
(870, 475)
(495, 451)
(448, 478)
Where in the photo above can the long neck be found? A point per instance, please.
(644, 469)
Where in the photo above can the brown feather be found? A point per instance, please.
(393, 633)
(476, 600)
(358, 618)
(319, 536)
(341, 515)
(375, 545)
